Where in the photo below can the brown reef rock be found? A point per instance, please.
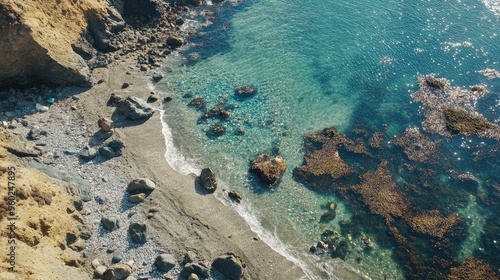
(416, 145)
(472, 268)
(322, 158)
(268, 168)
(449, 110)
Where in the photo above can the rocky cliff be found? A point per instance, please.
(38, 39)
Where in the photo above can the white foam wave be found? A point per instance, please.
(493, 5)
(173, 156)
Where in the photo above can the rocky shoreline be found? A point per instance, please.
(168, 231)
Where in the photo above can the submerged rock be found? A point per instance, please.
(246, 91)
(216, 130)
(459, 121)
(322, 161)
(268, 168)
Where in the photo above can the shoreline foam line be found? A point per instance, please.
(180, 164)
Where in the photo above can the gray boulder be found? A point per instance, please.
(175, 41)
(138, 232)
(165, 262)
(200, 269)
(135, 108)
(141, 185)
(231, 265)
(110, 222)
(208, 180)
(87, 153)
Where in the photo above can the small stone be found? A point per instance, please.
(106, 124)
(110, 250)
(137, 198)
(35, 133)
(165, 262)
(168, 98)
(99, 271)
(110, 222)
(157, 76)
(78, 246)
(234, 196)
(193, 277)
(125, 85)
(41, 108)
(189, 257)
(116, 145)
(13, 124)
(107, 152)
(200, 269)
(74, 108)
(241, 130)
(116, 259)
(153, 98)
(95, 263)
(70, 152)
(175, 41)
(87, 153)
(138, 232)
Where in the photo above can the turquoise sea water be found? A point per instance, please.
(349, 64)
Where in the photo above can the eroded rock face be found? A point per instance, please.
(268, 168)
(38, 47)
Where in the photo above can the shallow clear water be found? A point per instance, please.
(318, 64)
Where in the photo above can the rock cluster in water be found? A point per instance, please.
(451, 110)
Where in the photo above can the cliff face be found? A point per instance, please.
(37, 38)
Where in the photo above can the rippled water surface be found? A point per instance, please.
(316, 64)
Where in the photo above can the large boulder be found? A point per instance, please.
(135, 108)
(231, 265)
(208, 181)
(268, 168)
(165, 262)
(141, 185)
